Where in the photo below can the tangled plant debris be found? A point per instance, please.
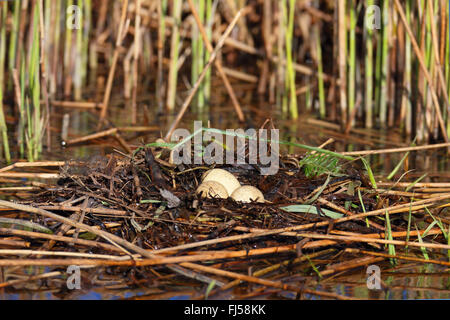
(142, 215)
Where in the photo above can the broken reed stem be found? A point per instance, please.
(400, 257)
(96, 135)
(137, 49)
(394, 150)
(217, 63)
(202, 75)
(112, 70)
(33, 164)
(40, 235)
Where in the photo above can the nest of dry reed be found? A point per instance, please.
(138, 222)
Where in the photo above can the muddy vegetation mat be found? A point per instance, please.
(136, 224)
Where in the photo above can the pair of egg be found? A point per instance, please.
(219, 183)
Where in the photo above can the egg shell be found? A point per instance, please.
(227, 179)
(247, 194)
(212, 189)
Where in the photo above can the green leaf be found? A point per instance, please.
(304, 208)
(209, 288)
(150, 201)
(25, 224)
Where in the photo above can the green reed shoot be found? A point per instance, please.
(175, 42)
(3, 128)
(423, 249)
(281, 96)
(209, 19)
(406, 101)
(389, 237)
(290, 73)
(352, 57)
(368, 102)
(34, 123)
(322, 107)
(195, 38)
(13, 35)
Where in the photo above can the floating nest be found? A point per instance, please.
(135, 224)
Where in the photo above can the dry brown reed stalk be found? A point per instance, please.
(16, 189)
(97, 135)
(201, 76)
(240, 75)
(40, 235)
(394, 150)
(33, 164)
(14, 243)
(416, 185)
(351, 264)
(136, 51)
(77, 104)
(26, 252)
(400, 257)
(88, 210)
(30, 175)
(424, 69)
(217, 63)
(120, 36)
(395, 234)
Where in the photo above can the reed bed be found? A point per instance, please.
(382, 64)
